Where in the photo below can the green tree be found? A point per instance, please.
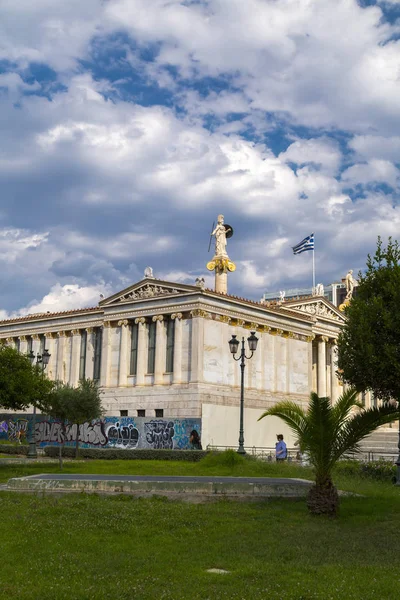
(74, 405)
(327, 432)
(369, 344)
(21, 383)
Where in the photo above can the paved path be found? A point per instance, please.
(172, 478)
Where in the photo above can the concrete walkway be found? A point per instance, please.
(185, 488)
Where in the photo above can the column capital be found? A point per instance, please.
(140, 320)
(310, 338)
(265, 328)
(89, 329)
(198, 312)
(276, 331)
(10, 340)
(61, 333)
(36, 337)
(324, 338)
(50, 335)
(123, 323)
(107, 324)
(75, 332)
(22, 338)
(159, 318)
(223, 318)
(176, 316)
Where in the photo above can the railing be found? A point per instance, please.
(268, 453)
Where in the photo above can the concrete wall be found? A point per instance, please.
(110, 432)
(220, 427)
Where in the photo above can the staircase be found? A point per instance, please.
(383, 443)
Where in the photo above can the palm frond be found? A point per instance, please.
(359, 426)
(292, 414)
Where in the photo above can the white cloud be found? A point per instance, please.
(376, 146)
(375, 170)
(324, 153)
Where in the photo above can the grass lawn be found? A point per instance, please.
(85, 547)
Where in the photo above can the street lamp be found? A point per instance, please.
(43, 360)
(233, 347)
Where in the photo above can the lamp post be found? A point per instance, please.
(233, 347)
(43, 360)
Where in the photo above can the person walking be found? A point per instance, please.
(194, 440)
(280, 448)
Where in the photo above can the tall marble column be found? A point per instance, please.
(159, 362)
(23, 344)
(36, 344)
(322, 366)
(75, 357)
(105, 354)
(51, 349)
(177, 374)
(141, 351)
(60, 371)
(123, 353)
(197, 349)
(335, 388)
(89, 361)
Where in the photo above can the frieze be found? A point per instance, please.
(317, 309)
(147, 291)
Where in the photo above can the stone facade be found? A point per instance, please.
(160, 349)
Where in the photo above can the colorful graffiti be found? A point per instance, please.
(15, 429)
(110, 432)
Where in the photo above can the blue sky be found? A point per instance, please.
(127, 126)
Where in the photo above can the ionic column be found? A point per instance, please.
(75, 355)
(60, 355)
(141, 351)
(36, 344)
(89, 362)
(335, 390)
(51, 348)
(105, 355)
(322, 366)
(197, 350)
(177, 374)
(10, 342)
(123, 354)
(159, 363)
(23, 344)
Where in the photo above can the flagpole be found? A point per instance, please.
(313, 265)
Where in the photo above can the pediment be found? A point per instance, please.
(147, 289)
(317, 307)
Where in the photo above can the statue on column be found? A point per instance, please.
(349, 285)
(221, 263)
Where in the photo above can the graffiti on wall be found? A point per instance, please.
(110, 432)
(92, 434)
(15, 429)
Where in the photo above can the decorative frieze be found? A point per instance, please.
(198, 312)
(147, 291)
(317, 309)
(223, 318)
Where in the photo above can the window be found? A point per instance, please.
(82, 356)
(152, 348)
(97, 352)
(169, 364)
(134, 347)
(123, 413)
(159, 412)
(141, 412)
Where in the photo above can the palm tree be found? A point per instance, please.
(327, 432)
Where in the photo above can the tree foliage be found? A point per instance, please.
(21, 383)
(369, 345)
(327, 432)
(74, 405)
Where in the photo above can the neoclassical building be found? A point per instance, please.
(160, 350)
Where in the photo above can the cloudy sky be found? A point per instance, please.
(128, 125)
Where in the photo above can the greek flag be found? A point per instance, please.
(304, 245)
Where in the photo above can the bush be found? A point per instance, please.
(13, 449)
(228, 458)
(122, 454)
(379, 470)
